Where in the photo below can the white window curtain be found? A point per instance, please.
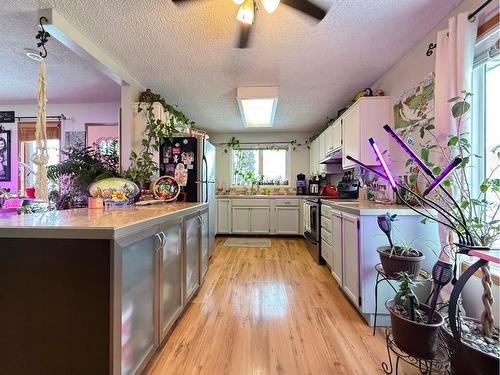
(454, 63)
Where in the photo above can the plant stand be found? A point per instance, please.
(439, 365)
(423, 277)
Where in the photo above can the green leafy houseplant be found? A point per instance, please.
(156, 131)
(409, 324)
(480, 208)
(79, 169)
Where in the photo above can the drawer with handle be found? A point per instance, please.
(326, 236)
(326, 223)
(287, 202)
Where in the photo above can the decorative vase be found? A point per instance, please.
(95, 203)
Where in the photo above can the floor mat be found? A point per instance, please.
(247, 242)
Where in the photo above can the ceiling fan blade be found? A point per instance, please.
(244, 35)
(306, 7)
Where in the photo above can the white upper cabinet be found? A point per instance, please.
(313, 158)
(328, 140)
(363, 120)
(321, 152)
(336, 135)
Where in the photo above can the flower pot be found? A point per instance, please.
(469, 359)
(396, 263)
(418, 339)
(95, 202)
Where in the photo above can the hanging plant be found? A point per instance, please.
(155, 133)
(233, 144)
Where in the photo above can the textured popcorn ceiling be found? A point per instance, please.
(69, 78)
(187, 52)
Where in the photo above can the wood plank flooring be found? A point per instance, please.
(270, 311)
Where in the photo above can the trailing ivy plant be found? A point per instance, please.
(156, 131)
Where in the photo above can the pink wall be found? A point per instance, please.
(77, 115)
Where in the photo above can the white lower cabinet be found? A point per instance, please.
(241, 219)
(259, 216)
(350, 250)
(223, 216)
(259, 220)
(337, 245)
(287, 220)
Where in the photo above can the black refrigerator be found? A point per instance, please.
(191, 161)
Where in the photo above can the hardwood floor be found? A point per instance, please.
(270, 311)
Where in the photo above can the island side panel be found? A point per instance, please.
(55, 306)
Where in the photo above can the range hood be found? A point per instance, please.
(333, 157)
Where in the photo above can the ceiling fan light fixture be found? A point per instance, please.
(246, 13)
(270, 5)
(238, 2)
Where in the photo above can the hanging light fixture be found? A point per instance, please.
(246, 13)
(238, 2)
(270, 5)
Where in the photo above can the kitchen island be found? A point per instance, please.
(96, 291)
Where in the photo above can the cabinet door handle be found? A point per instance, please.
(160, 240)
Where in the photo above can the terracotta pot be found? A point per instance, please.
(466, 359)
(416, 339)
(95, 202)
(395, 263)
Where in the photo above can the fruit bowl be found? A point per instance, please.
(165, 188)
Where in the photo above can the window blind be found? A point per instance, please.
(27, 131)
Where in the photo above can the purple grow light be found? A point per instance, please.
(444, 173)
(409, 151)
(383, 164)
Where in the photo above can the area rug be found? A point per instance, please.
(247, 242)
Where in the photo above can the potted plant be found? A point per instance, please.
(469, 211)
(96, 199)
(143, 166)
(398, 258)
(79, 169)
(409, 318)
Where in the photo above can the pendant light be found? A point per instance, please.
(270, 5)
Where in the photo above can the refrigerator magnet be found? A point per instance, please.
(181, 174)
(187, 157)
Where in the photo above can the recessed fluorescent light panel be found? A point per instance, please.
(257, 105)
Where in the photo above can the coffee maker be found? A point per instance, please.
(314, 186)
(301, 184)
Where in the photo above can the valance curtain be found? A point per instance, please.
(27, 131)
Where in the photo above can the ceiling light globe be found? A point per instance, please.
(270, 5)
(238, 2)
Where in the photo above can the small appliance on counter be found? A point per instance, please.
(301, 184)
(348, 187)
(314, 186)
(330, 190)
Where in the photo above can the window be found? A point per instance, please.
(264, 165)
(485, 132)
(27, 148)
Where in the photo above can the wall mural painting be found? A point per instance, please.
(5, 156)
(415, 107)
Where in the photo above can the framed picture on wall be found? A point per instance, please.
(5, 157)
(74, 140)
(104, 137)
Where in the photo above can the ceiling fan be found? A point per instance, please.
(248, 8)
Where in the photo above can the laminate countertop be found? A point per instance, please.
(86, 223)
(366, 208)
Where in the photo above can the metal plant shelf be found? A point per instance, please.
(439, 365)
